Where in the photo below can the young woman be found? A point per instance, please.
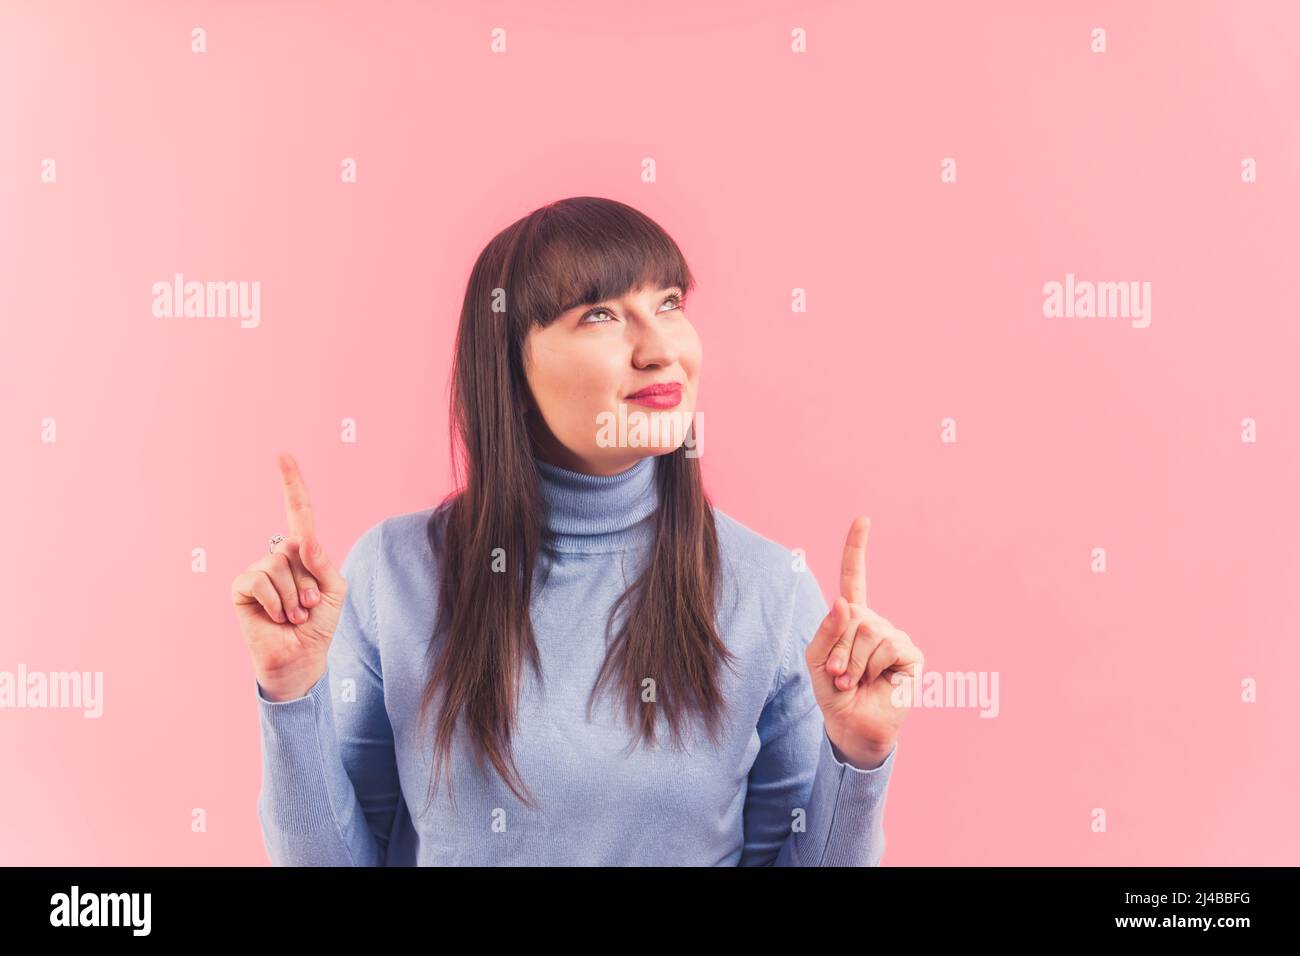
(574, 658)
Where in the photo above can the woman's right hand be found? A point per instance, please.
(288, 603)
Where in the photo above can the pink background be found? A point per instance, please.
(775, 171)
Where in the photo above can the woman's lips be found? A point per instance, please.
(658, 396)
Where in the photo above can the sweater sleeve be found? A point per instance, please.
(804, 806)
(330, 788)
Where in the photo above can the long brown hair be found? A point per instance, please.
(570, 252)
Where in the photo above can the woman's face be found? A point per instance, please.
(594, 358)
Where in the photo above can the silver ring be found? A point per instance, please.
(274, 541)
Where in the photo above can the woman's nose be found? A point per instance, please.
(654, 345)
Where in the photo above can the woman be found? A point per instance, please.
(531, 641)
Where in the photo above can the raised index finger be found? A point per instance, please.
(296, 503)
(853, 566)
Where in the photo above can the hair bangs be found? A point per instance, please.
(582, 251)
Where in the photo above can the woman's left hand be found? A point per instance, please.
(853, 658)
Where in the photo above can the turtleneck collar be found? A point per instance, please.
(596, 513)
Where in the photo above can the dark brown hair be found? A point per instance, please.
(570, 252)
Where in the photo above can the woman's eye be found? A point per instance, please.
(674, 300)
(583, 320)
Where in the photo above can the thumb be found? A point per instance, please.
(829, 632)
(329, 578)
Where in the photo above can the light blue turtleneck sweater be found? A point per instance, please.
(346, 775)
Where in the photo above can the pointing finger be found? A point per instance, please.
(297, 505)
(853, 566)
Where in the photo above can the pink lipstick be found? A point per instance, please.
(662, 395)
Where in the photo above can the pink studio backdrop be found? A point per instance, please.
(1120, 691)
